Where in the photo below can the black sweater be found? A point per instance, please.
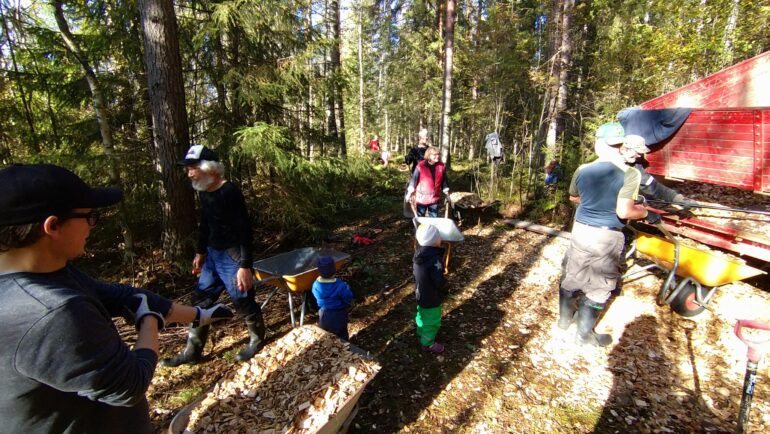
(431, 286)
(63, 365)
(225, 222)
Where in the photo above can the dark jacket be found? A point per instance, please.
(225, 222)
(415, 155)
(63, 366)
(430, 284)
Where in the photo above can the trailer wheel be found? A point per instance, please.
(684, 303)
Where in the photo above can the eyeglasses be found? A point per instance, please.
(92, 217)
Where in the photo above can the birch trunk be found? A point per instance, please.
(102, 119)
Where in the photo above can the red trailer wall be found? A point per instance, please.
(725, 147)
(726, 138)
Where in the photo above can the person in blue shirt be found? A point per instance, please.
(334, 297)
(606, 192)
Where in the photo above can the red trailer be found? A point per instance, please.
(725, 140)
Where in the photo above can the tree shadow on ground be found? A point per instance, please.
(645, 380)
(411, 379)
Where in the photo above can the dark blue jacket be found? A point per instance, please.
(431, 286)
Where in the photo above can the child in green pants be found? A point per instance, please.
(430, 286)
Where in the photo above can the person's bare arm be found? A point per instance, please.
(148, 334)
(630, 210)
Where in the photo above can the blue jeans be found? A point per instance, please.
(219, 273)
(334, 321)
(432, 210)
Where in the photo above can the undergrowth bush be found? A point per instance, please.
(303, 197)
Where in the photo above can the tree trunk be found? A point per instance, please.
(362, 137)
(25, 99)
(446, 100)
(169, 120)
(727, 41)
(564, 61)
(337, 75)
(102, 118)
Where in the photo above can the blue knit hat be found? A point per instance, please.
(326, 266)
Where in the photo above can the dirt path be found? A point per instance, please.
(507, 368)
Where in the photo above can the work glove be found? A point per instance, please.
(138, 307)
(652, 218)
(446, 192)
(218, 312)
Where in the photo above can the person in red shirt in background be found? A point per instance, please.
(374, 148)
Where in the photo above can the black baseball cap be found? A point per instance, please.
(29, 193)
(196, 154)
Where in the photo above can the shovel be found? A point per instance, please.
(756, 349)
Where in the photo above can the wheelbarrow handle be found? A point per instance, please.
(756, 348)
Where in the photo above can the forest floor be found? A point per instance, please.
(506, 367)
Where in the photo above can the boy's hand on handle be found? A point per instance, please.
(244, 279)
(218, 312)
(139, 308)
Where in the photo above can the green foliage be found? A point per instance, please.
(300, 196)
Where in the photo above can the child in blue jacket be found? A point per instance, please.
(430, 286)
(334, 297)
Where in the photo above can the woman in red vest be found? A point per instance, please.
(427, 183)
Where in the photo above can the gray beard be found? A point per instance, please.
(203, 184)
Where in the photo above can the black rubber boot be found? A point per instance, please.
(252, 313)
(588, 312)
(196, 340)
(567, 307)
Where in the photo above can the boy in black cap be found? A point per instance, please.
(334, 297)
(63, 365)
(223, 256)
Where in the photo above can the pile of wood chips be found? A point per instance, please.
(465, 199)
(293, 385)
(748, 225)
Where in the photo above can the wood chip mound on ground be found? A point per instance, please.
(465, 199)
(293, 385)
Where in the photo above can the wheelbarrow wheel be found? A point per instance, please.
(684, 303)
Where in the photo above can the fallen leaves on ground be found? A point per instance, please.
(507, 367)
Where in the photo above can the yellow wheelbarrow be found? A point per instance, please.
(692, 275)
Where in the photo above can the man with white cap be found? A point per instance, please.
(223, 255)
(606, 192)
(430, 286)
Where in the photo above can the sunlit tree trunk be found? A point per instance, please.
(361, 134)
(727, 41)
(102, 119)
(564, 62)
(169, 121)
(337, 75)
(446, 100)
